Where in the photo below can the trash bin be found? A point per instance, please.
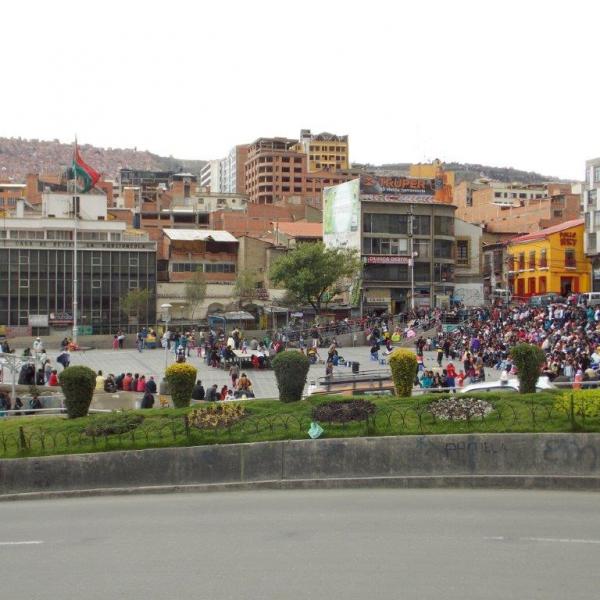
(355, 367)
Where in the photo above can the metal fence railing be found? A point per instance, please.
(422, 417)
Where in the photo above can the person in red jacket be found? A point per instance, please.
(53, 378)
(141, 384)
(127, 382)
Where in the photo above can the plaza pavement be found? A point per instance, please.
(152, 362)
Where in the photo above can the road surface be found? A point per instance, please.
(342, 544)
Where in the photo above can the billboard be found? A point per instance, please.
(341, 215)
(372, 184)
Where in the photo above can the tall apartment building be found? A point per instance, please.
(591, 208)
(325, 151)
(516, 208)
(233, 172)
(36, 266)
(210, 175)
(277, 171)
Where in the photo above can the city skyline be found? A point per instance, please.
(483, 85)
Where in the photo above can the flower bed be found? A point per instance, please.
(342, 411)
(458, 408)
(216, 415)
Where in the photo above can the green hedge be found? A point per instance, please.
(529, 360)
(78, 383)
(403, 364)
(181, 378)
(291, 369)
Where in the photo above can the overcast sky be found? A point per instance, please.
(502, 83)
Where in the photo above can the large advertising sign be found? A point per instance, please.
(341, 215)
(371, 184)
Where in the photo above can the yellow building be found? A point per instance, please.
(550, 260)
(325, 151)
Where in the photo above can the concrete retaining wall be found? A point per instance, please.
(511, 460)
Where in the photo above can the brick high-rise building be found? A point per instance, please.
(276, 171)
(325, 151)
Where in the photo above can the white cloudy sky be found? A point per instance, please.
(496, 82)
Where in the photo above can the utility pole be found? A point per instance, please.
(411, 260)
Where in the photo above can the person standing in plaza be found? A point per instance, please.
(234, 373)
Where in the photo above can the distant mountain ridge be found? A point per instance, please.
(19, 156)
(470, 172)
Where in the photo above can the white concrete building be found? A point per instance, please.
(591, 211)
(210, 176)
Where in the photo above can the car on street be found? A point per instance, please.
(509, 385)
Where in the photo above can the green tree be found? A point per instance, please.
(195, 291)
(314, 273)
(244, 289)
(136, 303)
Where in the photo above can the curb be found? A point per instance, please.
(525, 482)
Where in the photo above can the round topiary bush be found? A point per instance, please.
(78, 383)
(403, 364)
(181, 378)
(291, 369)
(529, 360)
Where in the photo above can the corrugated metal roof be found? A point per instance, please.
(201, 235)
(538, 235)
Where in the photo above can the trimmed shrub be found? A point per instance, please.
(342, 411)
(181, 378)
(586, 403)
(291, 369)
(403, 364)
(78, 383)
(529, 360)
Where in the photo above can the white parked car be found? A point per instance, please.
(510, 385)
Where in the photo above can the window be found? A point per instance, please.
(422, 271)
(297, 159)
(587, 220)
(442, 249)
(96, 261)
(96, 284)
(543, 259)
(596, 219)
(422, 248)
(58, 235)
(443, 272)
(497, 195)
(421, 225)
(522, 195)
(591, 245)
(444, 225)
(521, 261)
(385, 246)
(557, 213)
(375, 223)
(23, 283)
(597, 174)
(532, 259)
(133, 261)
(570, 261)
(542, 285)
(30, 235)
(462, 253)
(386, 273)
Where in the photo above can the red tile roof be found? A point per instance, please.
(300, 229)
(538, 235)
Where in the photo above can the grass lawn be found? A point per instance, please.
(273, 420)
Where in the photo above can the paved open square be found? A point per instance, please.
(152, 362)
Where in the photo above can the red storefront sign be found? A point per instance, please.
(388, 260)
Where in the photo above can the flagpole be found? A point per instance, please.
(75, 216)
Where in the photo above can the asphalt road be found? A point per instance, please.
(342, 544)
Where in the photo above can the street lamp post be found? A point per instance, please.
(13, 364)
(166, 311)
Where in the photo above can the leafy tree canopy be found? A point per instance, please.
(314, 273)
